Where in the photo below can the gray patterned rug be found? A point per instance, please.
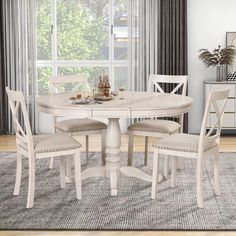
(132, 209)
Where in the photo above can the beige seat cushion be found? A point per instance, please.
(157, 126)
(182, 142)
(54, 143)
(80, 125)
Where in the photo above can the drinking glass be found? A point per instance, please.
(121, 89)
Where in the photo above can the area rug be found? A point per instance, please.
(131, 209)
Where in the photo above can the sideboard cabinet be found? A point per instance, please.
(229, 119)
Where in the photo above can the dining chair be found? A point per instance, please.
(76, 127)
(40, 146)
(157, 127)
(194, 146)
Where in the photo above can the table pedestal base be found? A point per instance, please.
(113, 169)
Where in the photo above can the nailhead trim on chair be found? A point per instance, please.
(155, 131)
(82, 130)
(174, 148)
(57, 149)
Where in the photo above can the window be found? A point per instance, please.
(82, 36)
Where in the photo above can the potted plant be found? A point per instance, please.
(218, 58)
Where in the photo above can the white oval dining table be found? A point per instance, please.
(133, 105)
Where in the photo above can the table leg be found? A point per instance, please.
(113, 142)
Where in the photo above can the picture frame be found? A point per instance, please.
(231, 40)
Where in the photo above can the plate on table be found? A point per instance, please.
(82, 101)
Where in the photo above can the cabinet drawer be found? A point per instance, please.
(225, 86)
(228, 120)
(230, 105)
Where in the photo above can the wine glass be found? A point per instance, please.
(121, 89)
(95, 85)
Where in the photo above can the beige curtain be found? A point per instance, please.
(19, 55)
(144, 44)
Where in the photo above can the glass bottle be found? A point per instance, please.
(107, 86)
(100, 86)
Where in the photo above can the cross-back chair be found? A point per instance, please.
(194, 146)
(77, 127)
(157, 127)
(40, 146)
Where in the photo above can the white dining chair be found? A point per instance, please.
(157, 127)
(77, 127)
(194, 146)
(40, 146)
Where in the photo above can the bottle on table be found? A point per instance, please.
(107, 86)
(100, 86)
(103, 86)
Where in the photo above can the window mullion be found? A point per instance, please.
(131, 45)
(111, 44)
(54, 37)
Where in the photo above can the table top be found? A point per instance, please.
(134, 105)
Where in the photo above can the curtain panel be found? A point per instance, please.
(3, 100)
(159, 42)
(144, 44)
(172, 41)
(18, 56)
(172, 37)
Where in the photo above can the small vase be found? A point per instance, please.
(219, 73)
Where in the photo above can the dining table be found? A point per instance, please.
(126, 105)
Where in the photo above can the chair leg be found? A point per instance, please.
(68, 167)
(166, 166)
(216, 173)
(130, 149)
(63, 172)
(77, 174)
(180, 164)
(31, 188)
(18, 173)
(103, 147)
(200, 202)
(87, 148)
(146, 151)
(51, 163)
(173, 171)
(155, 173)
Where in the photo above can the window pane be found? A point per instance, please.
(121, 75)
(44, 48)
(121, 29)
(43, 75)
(81, 29)
(91, 72)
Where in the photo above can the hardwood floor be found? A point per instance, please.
(7, 143)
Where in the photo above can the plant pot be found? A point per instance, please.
(220, 73)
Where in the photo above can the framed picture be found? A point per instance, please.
(231, 40)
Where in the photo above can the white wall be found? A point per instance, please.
(208, 22)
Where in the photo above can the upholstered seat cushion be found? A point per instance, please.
(79, 125)
(157, 126)
(54, 142)
(182, 142)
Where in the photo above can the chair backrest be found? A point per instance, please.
(76, 81)
(23, 133)
(216, 102)
(178, 80)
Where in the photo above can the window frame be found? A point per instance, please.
(111, 63)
